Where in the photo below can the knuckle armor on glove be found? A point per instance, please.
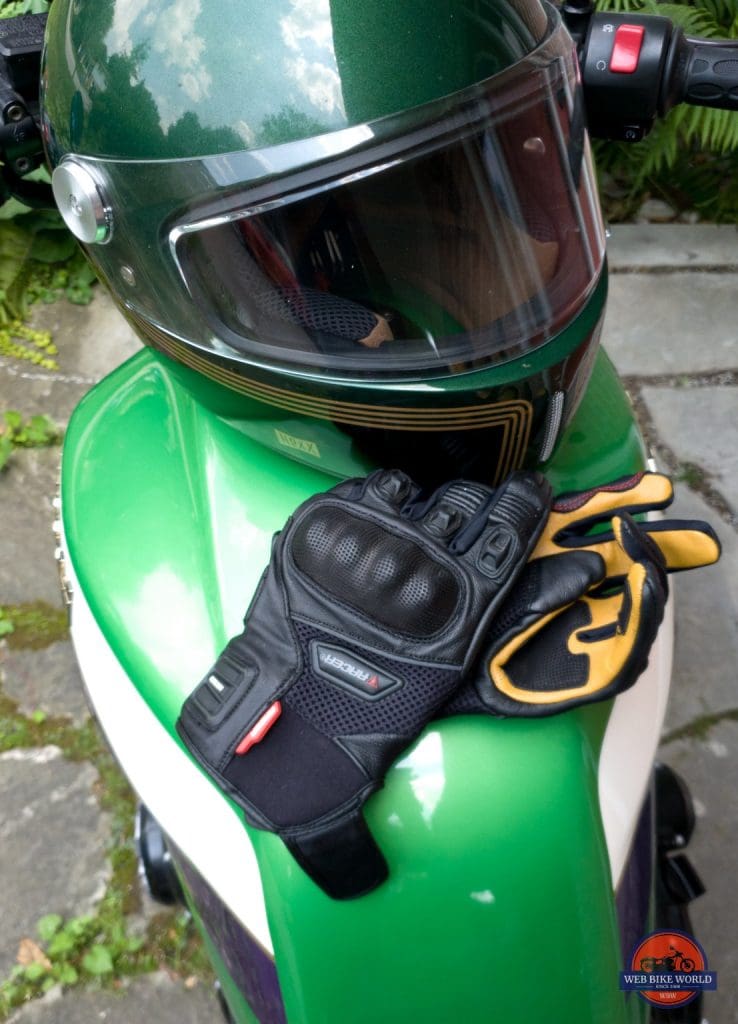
(375, 602)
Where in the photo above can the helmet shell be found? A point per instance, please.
(157, 81)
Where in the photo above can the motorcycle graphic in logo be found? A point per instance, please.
(675, 961)
(668, 969)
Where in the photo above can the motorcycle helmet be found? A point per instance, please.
(369, 227)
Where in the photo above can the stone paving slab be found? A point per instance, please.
(706, 640)
(699, 426)
(32, 390)
(154, 999)
(645, 246)
(46, 679)
(676, 323)
(53, 839)
(709, 765)
(27, 487)
(91, 339)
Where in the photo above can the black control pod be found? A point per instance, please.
(636, 67)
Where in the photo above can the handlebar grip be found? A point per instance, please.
(710, 76)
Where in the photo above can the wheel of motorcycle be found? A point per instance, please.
(224, 1008)
(675, 817)
(156, 867)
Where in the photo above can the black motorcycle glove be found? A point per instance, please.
(374, 604)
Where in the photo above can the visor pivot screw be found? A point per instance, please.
(128, 275)
(81, 203)
(535, 145)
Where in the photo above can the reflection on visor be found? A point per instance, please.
(468, 254)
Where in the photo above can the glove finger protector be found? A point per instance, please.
(374, 604)
(561, 640)
(684, 544)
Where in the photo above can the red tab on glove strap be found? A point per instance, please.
(257, 732)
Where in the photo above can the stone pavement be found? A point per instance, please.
(672, 330)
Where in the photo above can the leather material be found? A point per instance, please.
(683, 543)
(375, 603)
(571, 633)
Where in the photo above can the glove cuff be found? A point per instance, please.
(342, 858)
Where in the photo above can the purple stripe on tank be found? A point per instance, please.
(634, 891)
(249, 965)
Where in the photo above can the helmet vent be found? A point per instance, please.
(552, 425)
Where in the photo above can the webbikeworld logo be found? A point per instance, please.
(344, 669)
(668, 969)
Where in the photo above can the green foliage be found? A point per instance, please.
(97, 949)
(17, 432)
(34, 625)
(39, 262)
(12, 8)
(19, 341)
(39, 259)
(690, 159)
(77, 950)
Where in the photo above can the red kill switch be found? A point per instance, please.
(627, 49)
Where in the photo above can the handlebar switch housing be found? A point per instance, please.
(636, 67)
(21, 146)
(625, 61)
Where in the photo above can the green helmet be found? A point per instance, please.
(370, 222)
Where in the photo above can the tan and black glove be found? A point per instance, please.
(683, 543)
(582, 618)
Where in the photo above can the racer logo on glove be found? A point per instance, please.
(375, 603)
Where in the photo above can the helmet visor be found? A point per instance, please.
(475, 242)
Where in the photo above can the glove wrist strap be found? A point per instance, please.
(342, 858)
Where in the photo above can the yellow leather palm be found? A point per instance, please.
(595, 646)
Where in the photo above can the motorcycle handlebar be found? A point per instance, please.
(710, 77)
(636, 67)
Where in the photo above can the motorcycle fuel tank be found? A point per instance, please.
(502, 862)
